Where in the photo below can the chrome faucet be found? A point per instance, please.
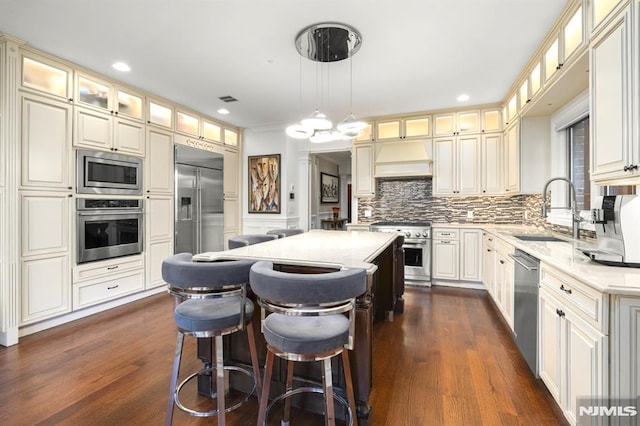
(575, 215)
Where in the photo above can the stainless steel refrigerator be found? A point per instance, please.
(199, 205)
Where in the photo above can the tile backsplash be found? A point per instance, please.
(411, 199)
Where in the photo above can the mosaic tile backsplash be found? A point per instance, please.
(411, 199)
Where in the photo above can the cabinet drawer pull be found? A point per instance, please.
(445, 242)
(502, 262)
(560, 313)
(111, 268)
(446, 233)
(111, 288)
(566, 290)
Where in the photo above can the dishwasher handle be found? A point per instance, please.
(516, 259)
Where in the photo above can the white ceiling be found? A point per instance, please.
(416, 55)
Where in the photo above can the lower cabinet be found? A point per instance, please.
(158, 245)
(457, 254)
(625, 343)
(489, 263)
(156, 252)
(45, 289)
(503, 280)
(99, 282)
(572, 353)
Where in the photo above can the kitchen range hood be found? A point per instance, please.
(403, 159)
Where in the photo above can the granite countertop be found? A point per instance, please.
(331, 249)
(567, 257)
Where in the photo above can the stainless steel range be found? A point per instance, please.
(417, 249)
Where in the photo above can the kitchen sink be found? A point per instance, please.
(534, 237)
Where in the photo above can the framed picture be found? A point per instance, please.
(264, 183)
(329, 188)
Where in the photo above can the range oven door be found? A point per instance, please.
(417, 261)
(107, 234)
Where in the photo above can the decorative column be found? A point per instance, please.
(9, 180)
(304, 189)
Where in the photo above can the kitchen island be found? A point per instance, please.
(320, 251)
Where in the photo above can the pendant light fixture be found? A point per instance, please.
(325, 43)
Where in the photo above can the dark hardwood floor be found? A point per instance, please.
(447, 360)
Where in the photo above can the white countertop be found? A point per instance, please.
(332, 249)
(568, 258)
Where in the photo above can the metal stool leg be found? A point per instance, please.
(287, 402)
(264, 398)
(349, 386)
(327, 383)
(220, 380)
(254, 360)
(177, 355)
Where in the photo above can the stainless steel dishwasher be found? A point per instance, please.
(525, 308)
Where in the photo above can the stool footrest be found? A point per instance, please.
(209, 413)
(304, 389)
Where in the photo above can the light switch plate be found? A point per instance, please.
(469, 214)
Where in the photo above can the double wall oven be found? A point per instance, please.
(417, 249)
(109, 222)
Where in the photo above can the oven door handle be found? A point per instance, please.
(110, 213)
(415, 244)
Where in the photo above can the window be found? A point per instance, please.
(578, 145)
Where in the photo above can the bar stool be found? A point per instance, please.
(286, 232)
(307, 324)
(249, 239)
(215, 304)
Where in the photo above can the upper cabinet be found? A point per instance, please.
(491, 120)
(231, 136)
(211, 131)
(566, 43)
(192, 124)
(47, 76)
(105, 96)
(602, 11)
(512, 108)
(404, 128)
(188, 124)
(456, 123)
(367, 134)
(614, 73)
(160, 114)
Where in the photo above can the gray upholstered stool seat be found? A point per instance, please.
(285, 232)
(249, 240)
(202, 315)
(212, 302)
(306, 335)
(307, 323)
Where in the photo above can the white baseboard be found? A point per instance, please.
(460, 284)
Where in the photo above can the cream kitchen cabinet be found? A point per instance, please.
(566, 44)
(103, 281)
(188, 124)
(491, 164)
(489, 263)
(159, 236)
(45, 252)
(457, 123)
(504, 280)
(98, 130)
(368, 134)
(159, 113)
(491, 120)
(613, 117)
(512, 109)
(602, 11)
(45, 148)
(231, 136)
(511, 155)
(230, 173)
(572, 347)
(457, 168)
(363, 166)
(625, 342)
(46, 76)
(158, 165)
(96, 93)
(404, 128)
(457, 254)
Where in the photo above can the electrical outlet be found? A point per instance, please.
(526, 215)
(367, 213)
(469, 214)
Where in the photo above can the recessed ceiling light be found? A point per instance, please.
(121, 66)
(223, 111)
(462, 98)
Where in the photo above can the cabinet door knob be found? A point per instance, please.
(560, 313)
(70, 195)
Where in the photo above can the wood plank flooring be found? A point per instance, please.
(448, 360)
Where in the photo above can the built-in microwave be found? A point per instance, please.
(107, 173)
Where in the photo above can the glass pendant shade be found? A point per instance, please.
(321, 136)
(317, 121)
(298, 131)
(351, 125)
